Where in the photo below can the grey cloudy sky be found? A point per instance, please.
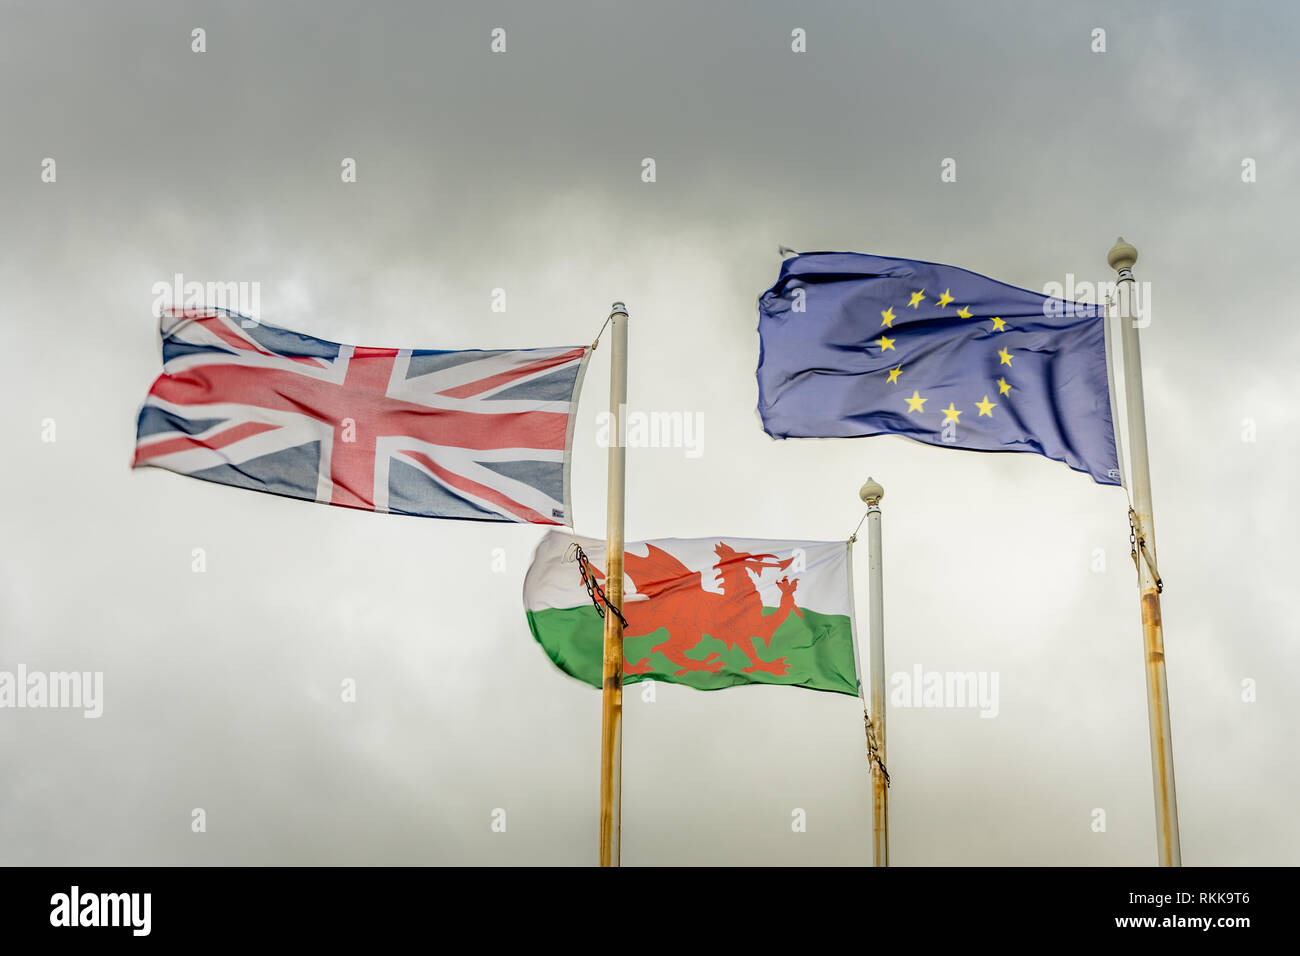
(522, 171)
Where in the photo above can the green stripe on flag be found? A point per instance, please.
(818, 651)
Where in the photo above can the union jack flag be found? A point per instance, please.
(473, 434)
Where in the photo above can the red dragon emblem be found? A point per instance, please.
(676, 600)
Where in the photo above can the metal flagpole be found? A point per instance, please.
(611, 699)
(871, 494)
(1121, 259)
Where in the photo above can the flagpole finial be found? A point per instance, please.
(618, 308)
(1122, 256)
(871, 492)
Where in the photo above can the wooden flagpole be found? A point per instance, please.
(611, 711)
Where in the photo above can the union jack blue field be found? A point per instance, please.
(473, 434)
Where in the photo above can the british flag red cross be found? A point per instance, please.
(474, 434)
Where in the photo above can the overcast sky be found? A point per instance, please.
(522, 170)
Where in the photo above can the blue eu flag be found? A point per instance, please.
(855, 345)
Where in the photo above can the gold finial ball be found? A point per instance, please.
(1122, 255)
(871, 492)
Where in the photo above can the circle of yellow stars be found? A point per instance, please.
(916, 403)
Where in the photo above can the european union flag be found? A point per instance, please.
(855, 345)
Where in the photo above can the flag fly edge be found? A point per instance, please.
(568, 437)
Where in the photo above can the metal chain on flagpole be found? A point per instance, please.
(1132, 537)
(1138, 543)
(594, 590)
(873, 749)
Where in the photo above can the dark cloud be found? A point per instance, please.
(522, 171)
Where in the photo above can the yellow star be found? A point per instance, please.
(893, 375)
(986, 407)
(886, 343)
(944, 299)
(951, 414)
(887, 318)
(1005, 356)
(1003, 387)
(917, 299)
(916, 403)
(964, 312)
(998, 324)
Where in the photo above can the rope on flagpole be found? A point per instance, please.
(873, 749)
(854, 536)
(1136, 543)
(594, 590)
(1108, 308)
(574, 551)
(596, 340)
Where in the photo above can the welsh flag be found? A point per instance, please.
(705, 612)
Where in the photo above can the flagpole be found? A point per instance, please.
(871, 494)
(1121, 258)
(611, 699)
